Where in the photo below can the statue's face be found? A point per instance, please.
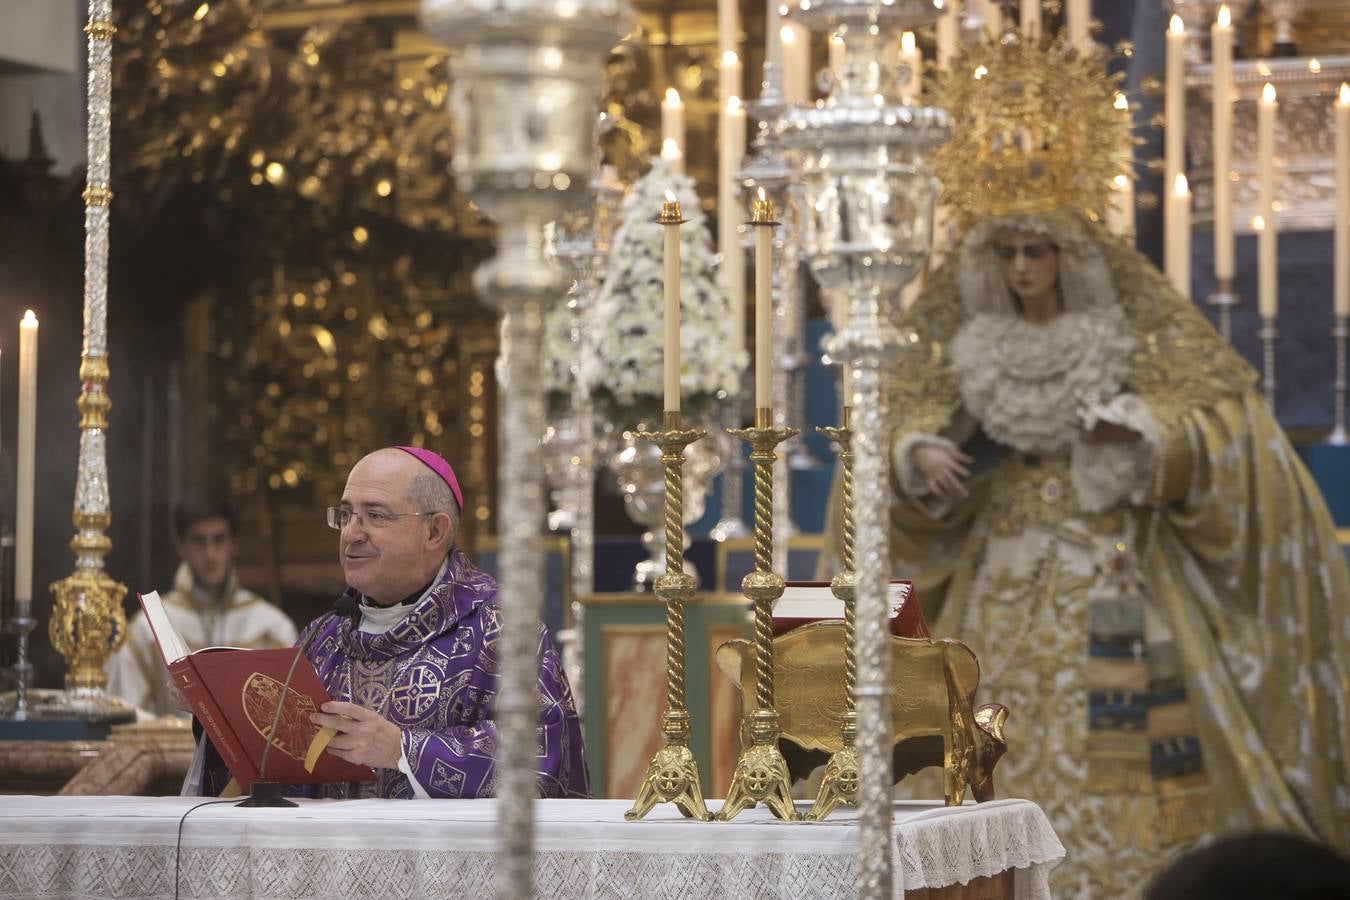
(1030, 264)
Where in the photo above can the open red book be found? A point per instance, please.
(804, 602)
(235, 693)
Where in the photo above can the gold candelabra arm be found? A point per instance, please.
(673, 776)
(761, 773)
(840, 784)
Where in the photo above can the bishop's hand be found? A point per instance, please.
(363, 737)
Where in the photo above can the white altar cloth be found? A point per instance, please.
(123, 847)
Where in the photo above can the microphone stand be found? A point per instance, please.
(264, 793)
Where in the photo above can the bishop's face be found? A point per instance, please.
(387, 549)
(1030, 264)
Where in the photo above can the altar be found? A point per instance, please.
(116, 847)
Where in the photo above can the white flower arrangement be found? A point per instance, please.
(625, 377)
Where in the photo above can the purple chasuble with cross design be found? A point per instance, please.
(434, 675)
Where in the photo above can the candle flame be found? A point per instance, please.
(1180, 186)
(1122, 182)
(672, 97)
(1345, 94)
(907, 42)
(733, 103)
(760, 195)
(670, 149)
(1225, 17)
(29, 319)
(1122, 102)
(787, 35)
(1314, 65)
(670, 196)
(1176, 26)
(980, 72)
(1268, 93)
(729, 58)
(1259, 223)
(1263, 70)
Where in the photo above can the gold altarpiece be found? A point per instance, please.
(347, 321)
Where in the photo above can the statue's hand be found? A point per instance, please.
(943, 470)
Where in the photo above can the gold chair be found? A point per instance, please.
(935, 721)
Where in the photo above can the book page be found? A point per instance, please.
(172, 647)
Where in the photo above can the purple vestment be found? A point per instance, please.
(434, 675)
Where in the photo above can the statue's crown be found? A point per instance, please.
(1038, 127)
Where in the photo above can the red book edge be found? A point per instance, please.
(214, 721)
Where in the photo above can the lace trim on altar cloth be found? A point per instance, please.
(934, 846)
(125, 872)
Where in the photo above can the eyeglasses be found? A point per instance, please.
(339, 516)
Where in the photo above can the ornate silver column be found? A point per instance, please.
(867, 226)
(524, 97)
(87, 622)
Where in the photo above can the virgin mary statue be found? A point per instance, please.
(1090, 492)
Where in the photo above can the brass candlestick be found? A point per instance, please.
(761, 772)
(672, 776)
(840, 784)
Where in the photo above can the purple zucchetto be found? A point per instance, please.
(436, 463)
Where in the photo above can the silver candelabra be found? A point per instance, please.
(524, 98)
(867, 201)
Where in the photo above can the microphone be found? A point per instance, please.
(269, 793)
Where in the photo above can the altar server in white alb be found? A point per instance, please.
(207, 606)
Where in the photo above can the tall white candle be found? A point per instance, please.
(1078, 22)
(1174, 104)
(670, 221)
(729, 76)
(947, 25)
(991, 14)
(796, 44)
(728, 163)
(672, 120)
(1120, 214)
(729, 220)
(838, 53)
(1221, 40)
(773, 47)
(912, 59)
(670, 152)
(728, 24)
(1268, 282)
(1177, 228)
(761, 219)
(1341, 302)
(27, 458)
(1031, 18)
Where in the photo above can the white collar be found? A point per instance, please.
(379, 619)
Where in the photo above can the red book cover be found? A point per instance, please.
(247, 686)
(235, 694)
(804, 602)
